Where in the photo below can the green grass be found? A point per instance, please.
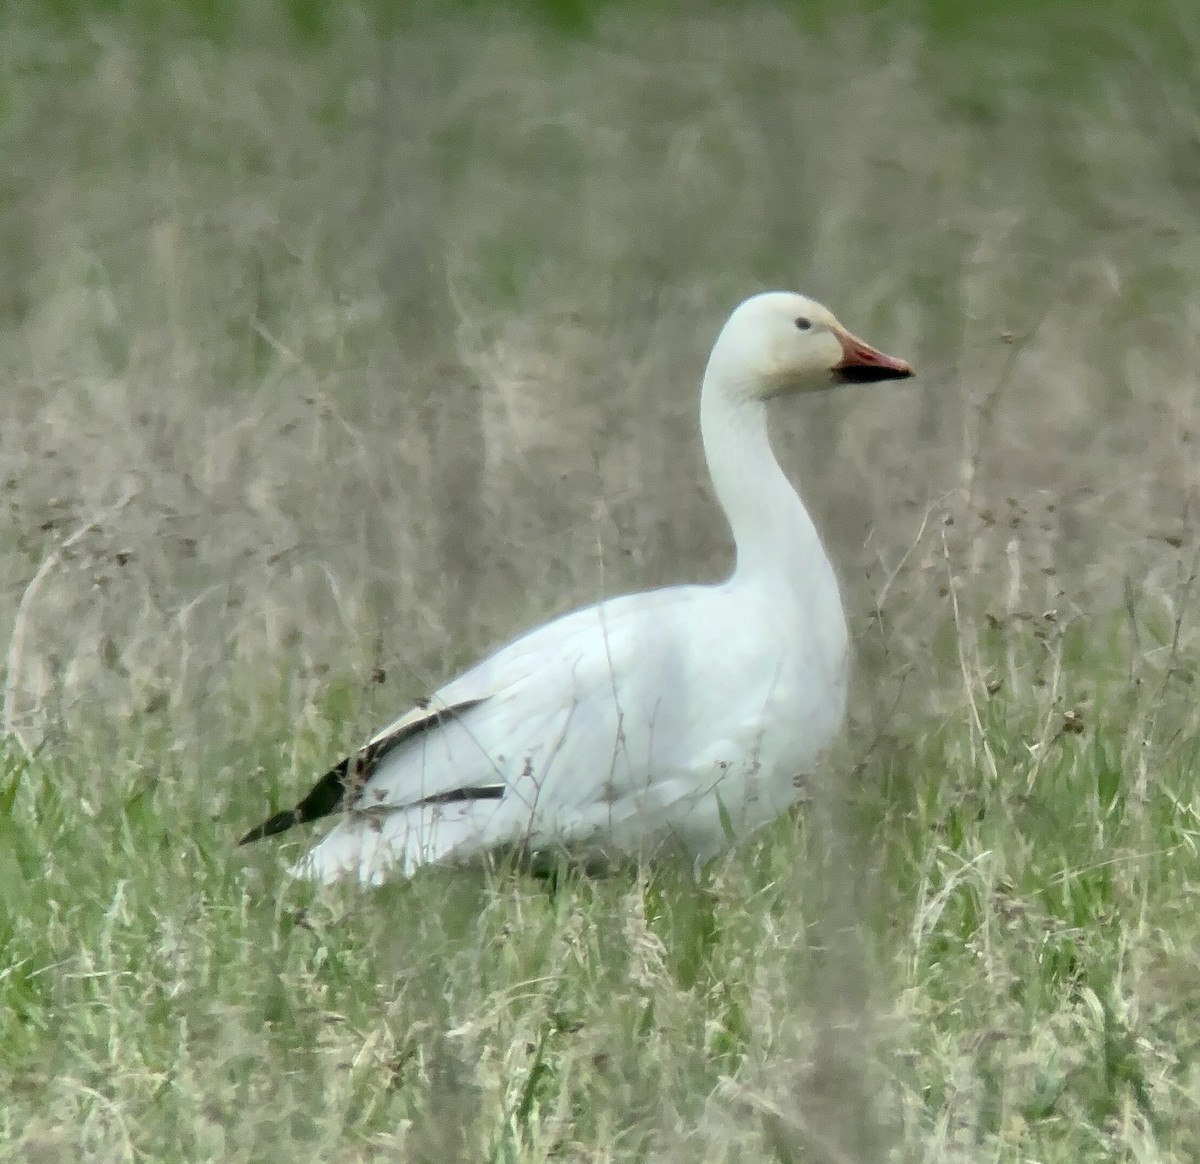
(1014, 984)
(336, 349)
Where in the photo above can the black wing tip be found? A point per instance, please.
(330, 792)
(459, 795)
(326, 797)
(279, 823)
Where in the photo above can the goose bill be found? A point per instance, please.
(863, 364)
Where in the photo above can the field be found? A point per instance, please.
(341, 343)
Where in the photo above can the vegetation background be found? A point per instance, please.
(340, 341)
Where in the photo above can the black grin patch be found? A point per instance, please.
(868, 374)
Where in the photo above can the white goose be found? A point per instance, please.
(674, 715)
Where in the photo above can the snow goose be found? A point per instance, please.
(681, 714)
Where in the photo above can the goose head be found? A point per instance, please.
(778, 343)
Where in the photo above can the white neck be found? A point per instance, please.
(776, 540)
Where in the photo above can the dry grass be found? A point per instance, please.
(326, 368)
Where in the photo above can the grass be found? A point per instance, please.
(331, 360)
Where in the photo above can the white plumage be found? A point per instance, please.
(669, 716)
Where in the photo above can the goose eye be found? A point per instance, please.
(804, 324)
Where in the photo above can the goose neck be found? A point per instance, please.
(772, 531)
